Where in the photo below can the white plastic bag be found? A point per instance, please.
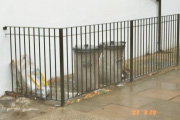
(31, 83)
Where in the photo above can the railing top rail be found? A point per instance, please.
(89, 24)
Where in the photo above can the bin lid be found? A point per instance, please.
(85, 48)
(113, 45)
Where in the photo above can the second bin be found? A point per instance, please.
(111, 62)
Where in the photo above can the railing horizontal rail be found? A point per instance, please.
(90, 24)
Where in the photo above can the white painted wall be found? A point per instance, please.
(64, 13)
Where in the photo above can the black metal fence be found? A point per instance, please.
(62, 63)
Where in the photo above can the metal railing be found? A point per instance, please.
(62, 63)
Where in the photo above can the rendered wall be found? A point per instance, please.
(64, 13)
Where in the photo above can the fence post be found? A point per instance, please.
(131, 51)
(178, 39)
(61, 66)
(159, 29)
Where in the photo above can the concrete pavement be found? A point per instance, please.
(159, 93)
(153, 97)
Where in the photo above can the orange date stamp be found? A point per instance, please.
(144, 112)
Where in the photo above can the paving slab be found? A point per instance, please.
(135, 101)
(176, 99)
(171, 76)
(135, 88)
(66, 114)
(90, 104)
(159, 116)
(114, 97)
(164, 108)
(114, 112)
(167, 85)
(160, 93)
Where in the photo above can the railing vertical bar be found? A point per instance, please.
(77, 80)
(50, 62)
(143, 44)
(149, 39)
(164, 42)
(131, 51)
(123, 59)
(167, 41)
(86, 57)
(160, 29)
(81, 62)
(114, 50)
(24, 30)
(118, 54)
(90, 57)
(110, 52)
(98, 60)
(67, 62)
(102, 58)
(72, 62)
(161, 45)
(171, 41)
(151, 44)
(55, 61)
(94, 59)
(173, 44)
(177, 39)
(156, 45)
(141, 41)
(61, 66)
(146, 46)
(11, 60)
(174, 34)
(40, 60)
(135, 32)
(138, 56)
(167, 53)
(20, 59)
(106, 57)
(128, 61)
(45, 64)
(34, 59)
(30, 59)
(16, 59)
(126, 47)
(154, 56)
